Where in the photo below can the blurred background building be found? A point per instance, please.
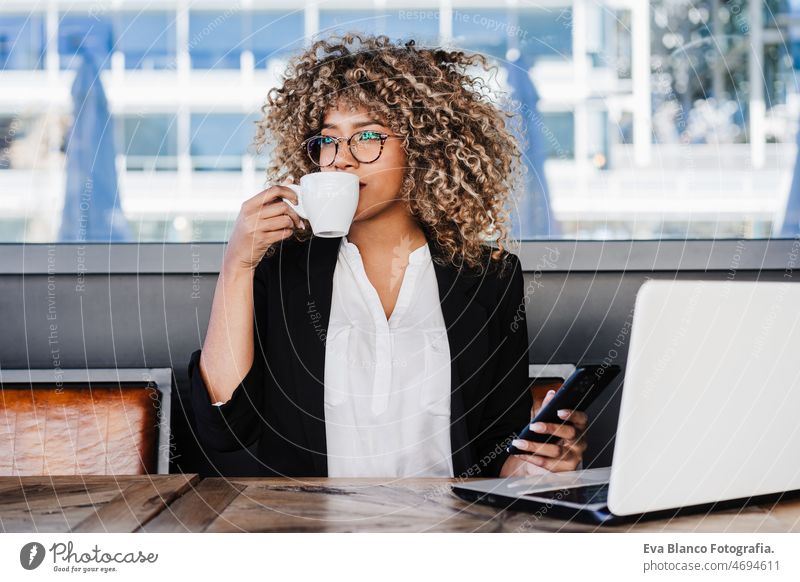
(673, 118)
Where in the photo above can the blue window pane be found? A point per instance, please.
(536, 32)
(147, 39)
(149, 142)
(220, 140)
(92, 33)
(485, 31)
(211, 230)
(546, 33)
(369, 22)
(215, 39)
(421, 25)
(22, 42)
(274, 35)
(341, 21)
(558, 134)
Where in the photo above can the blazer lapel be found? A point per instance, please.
(466, 320)
(309, 305)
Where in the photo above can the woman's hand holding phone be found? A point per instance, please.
(565, 454)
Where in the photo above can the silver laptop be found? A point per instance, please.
(708, 417)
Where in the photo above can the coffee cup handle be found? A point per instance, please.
(298, 208)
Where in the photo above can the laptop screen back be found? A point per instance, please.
(711, 395)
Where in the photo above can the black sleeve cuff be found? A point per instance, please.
(235, 424)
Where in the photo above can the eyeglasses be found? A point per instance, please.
(366, 146)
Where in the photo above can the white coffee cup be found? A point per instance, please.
(328, 200)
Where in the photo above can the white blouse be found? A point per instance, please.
(387, 382)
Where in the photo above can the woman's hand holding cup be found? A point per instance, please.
(263, 220)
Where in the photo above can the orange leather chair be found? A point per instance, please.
(81, 428)
(546, 377)
(539, 389)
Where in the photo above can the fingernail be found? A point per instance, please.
(537, 427)
(520, 444)
(563, 413)
(551, 393)
(302, 226)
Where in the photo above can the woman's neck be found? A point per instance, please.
(387, 231)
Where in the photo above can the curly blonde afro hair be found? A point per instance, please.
(463, 162)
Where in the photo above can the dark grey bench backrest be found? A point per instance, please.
(147, 306)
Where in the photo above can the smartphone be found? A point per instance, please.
(576, 393)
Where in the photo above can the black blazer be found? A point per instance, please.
(280, 403)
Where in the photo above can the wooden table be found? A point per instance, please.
(117, 504)
(185, 503)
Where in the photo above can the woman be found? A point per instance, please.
(395, 350)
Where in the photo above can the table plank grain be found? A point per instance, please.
(186, 503)
(429, 505)
(137, 504)
(350, 505)
(60, 504)
(197, 509)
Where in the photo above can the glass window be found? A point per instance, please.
(148, 230)
(624, 128)
(558, 134)
(147, 39)
(149, 142)
(13, 230)
(274, 35)
(220, 140)
(773, 9)
(400, 24)
(215, 39)
(8, 130)
(547, 32)
(702, 91)
(781, 59)
(689, 169)
(621, 49)
(22, 42)
(778, 84)
(211, 230)
(484, 31)
(421, 25)
(92, 33)
(536, 32)
(341, 21)
(22, 143)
